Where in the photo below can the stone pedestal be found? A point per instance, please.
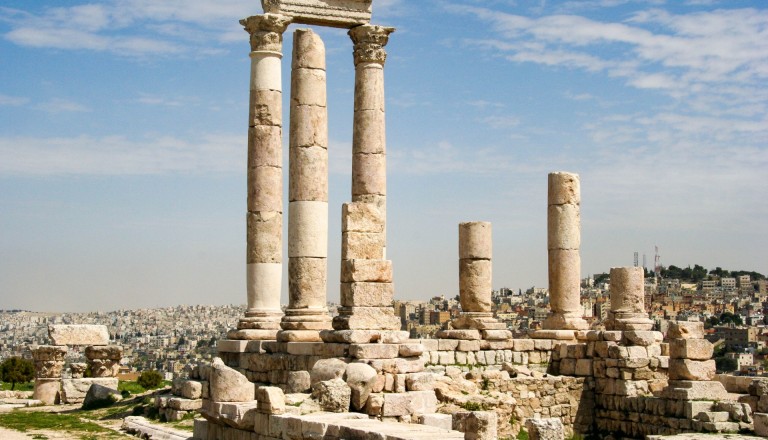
(628, 300)
(265, 180)
(307, 313)
(475, 286)
(563, 243)
(49, 361)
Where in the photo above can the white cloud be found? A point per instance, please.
(117, 155)
(58, 105)
(12, 101)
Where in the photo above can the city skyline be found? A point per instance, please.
(123, 128)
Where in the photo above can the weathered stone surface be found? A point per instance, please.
(374, 351)
(627, 290)
(307, 282)
(564, 280)
(229, 385)
(266, 150)
(369, 271)
(685, 369)
(476, 425)
(271, 400)
(298, 382)
(475, 285)
(308, 87)
(695, 390)
(545, 429)
(563, 188)
(265, 189)
(308, 229)
(308, 169)
(643, 338)
(761, 424)
(362, 245)
(182, 404)
(266, 108)
(239, 415)
(104, 360)
(74, 390)
(475, 240)
(336, 13)
(98, 395)
(333, 395)
(411, 349)
(78, 334)
(685, 330)
(420, 381)
(327, 369)
(369, 133)
(695, 349)
(563, 227)
(367, 294)
(264, 237)
(47, 390)
(361, 379)
(369, 174)
(362, 217)
(366, 318)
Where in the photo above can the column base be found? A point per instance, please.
(299, 336)
(260, 320)
(47, 391)
(306, 319)
(628, 321)
(364, 336)
(560, 321)
(477, 321)
(253, 334)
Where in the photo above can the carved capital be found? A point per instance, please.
(266, 31)
(369, 41)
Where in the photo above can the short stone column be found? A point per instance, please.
(264, 243)
(475, 285)
(307, 312)
(691, 367)
(104, 361)
(49, 362)
(369, 146)
(628, 300)
(563, 243)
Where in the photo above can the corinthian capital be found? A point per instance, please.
(266, 31)
(369, 41)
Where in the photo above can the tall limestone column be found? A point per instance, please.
(265, 180)
(563, 242)
(307, 312)
(628, 300)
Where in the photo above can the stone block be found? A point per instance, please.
(364, 294)
(420, 381)
(369, 174)
(643, 338)
(266, 108)
(264, 237)
(422, 402)
(396, 405)
(327, 369)
(545, 429)
(265, 146)
(685, 330)
(475, 279)
(362, 217)
(761, 424)
(563, 188)
(530, 344)
(308, 229)
(182, 404)
(271, 400)
(361, 379)
(229, 385)
(411, 349)
(308, 172)
(369, 87)
(563, 227)
(362, 245)
(475, 240)
(695, 349)
(78, 334)
(366, 318)
(686, 369)
(442, 421)
(476, 425)
(583, 367)
(73, 391)
(265, 189)
(374, 351)
(371, 271)
(468, 345)
(333, 395)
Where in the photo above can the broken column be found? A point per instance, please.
(628, 300)
(475, 286)
(307, 312)
(563, 242)
(265, 180)
(49, 361)
(366, 275)
(691, 367)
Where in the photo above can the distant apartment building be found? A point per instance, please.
(744, 281)
(708, 285)
(439, 317)
(737, 339)
(728, 283)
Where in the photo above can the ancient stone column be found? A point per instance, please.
(475, 285)
(265, 180)
(369, 160)
(307, 312)
(563, 242)
(628, 300)
(49, 361)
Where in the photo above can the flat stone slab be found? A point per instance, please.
(78, 334)
(334, 13)
(143, 428)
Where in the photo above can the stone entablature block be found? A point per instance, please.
(334, 13)
(78, 334)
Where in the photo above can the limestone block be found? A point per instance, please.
(627, 290)
(369, 87)
(239, 415)
(366, 318)
(374, 351)
(271, 400)
(308, 171)
(362, 217)
(265, 146)
(528, 344)
(361, 379)
(545, 429)
(73, 391)
(265, 189)
(475, 285)
(308, 229)
(372, 271)
(396, 405)
(191, 389)
(229, 385)
(583, 367)
(475, 240)
(182, 404)
(266, 71)
(476, 425)
(696, 349)
(308, 50)
(362, 245)
(308, 87)
(761, 424)
(327, 369)
(563, 227)
(686, 369)
(468, 345)
(422, 402)
(423, 381)
(685, 330)
(99, 394)
(563, 188)
(47, 391)
(332, 395)
(368, 132)
(266, 108)
(335, 13)
(78, 334)
(642, 337)
(262, 278)
(367, 294)
(442, 421)
(298, 382)
(369, 174)
(307, 282)
(565, 280)
(264, 237)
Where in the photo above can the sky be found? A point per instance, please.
(123, 129)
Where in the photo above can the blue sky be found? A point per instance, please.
(123, 129)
